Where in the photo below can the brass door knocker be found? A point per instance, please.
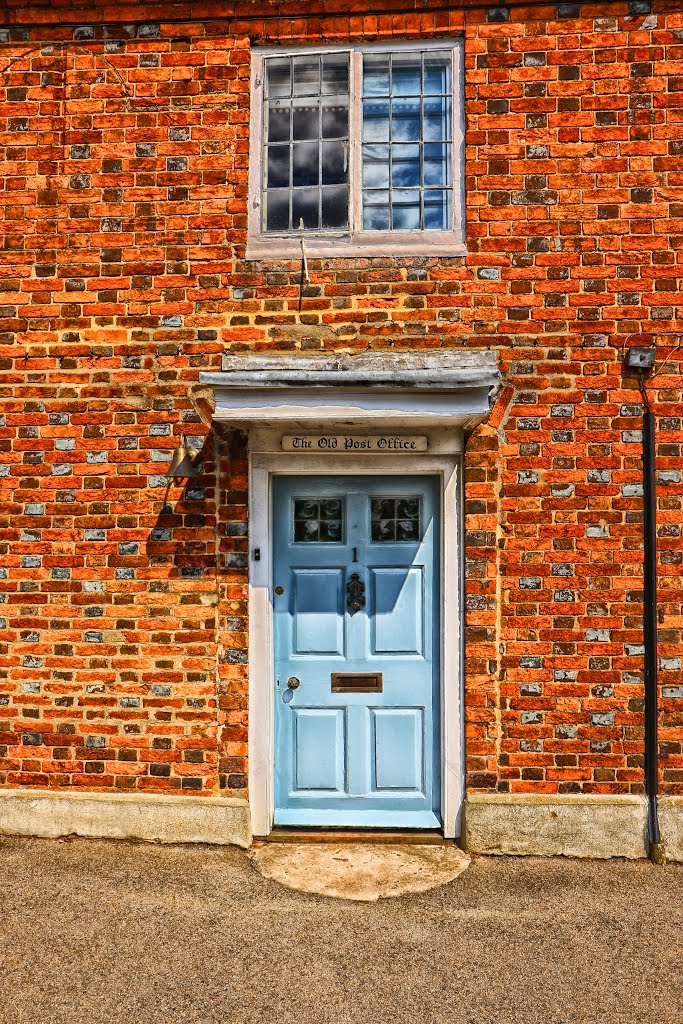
(355, 588)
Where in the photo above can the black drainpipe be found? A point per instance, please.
(656, 851)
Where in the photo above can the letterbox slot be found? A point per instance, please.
(356, 682)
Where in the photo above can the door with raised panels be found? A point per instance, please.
(355, 581)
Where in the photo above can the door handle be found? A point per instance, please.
(293, 683)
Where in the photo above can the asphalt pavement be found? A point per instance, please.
(103, 932)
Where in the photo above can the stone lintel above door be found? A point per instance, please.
(385, 390)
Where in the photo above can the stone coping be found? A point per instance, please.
(150, 816)
(570, 825)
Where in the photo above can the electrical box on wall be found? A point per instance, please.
(639, 358)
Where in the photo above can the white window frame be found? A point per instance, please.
(355, 241)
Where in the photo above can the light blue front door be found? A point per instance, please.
(355, 579)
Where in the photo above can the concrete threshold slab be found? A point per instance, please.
(363, 871)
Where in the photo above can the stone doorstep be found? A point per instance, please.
(339, 836)
(359, 871)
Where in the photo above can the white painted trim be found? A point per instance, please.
(355, 156)
(346, 248)
(383, 410)
(447, 43)
(264, 463)
(261, 679)
(448, 389)
(254, 203)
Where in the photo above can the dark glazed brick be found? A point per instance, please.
(191, 783)
(497, 14)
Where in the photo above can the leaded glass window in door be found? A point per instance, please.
(395, 519)
(318, 520)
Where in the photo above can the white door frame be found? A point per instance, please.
(444, 459)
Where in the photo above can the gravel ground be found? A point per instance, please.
(95, 932)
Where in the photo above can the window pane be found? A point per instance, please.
(376, 166)
(437, 72)
(305, 169)
(437, 164)
(376, 121)
(405, 75)
(298, 121)
(305, 208)
(278, 76)
(405, 120)
(405, 166)
(437, 119)
(406, 136)
(306, 122)
(278, 166)
(383, 508)
(306, 76)
(407, 529)
(277, 211)
(407, 141)
(405, 210)
(408, 508)
(331, 531)
(335, 122)
(335, 74)
(376, 211)
(395, 519)
(376, 75)
(437, 205)
(306, 509)
(335, 163)
(318, 521)
(277, 124)
(306, 532)
(336, 207)
(383, 530)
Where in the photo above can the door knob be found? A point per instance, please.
(293, 683)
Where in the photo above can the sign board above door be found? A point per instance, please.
(355, 443)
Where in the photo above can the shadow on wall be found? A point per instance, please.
(184, 534)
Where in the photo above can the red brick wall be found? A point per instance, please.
(123, 633)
